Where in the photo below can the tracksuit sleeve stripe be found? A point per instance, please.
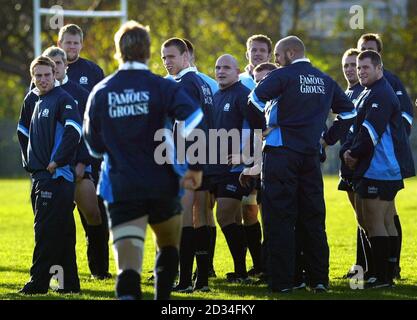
(75, 125)
(256, 102)
(348, 115)
(407, 117)
(93, 153)
(192, 121)
(23, 130)
(372, 132)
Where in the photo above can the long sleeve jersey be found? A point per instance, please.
(379, 139)
(230, 106)
(406, 106)
(85, 72)
(126, 113)
(301, 97)
(51, 131)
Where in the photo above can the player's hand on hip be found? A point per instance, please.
(192, 180)
(52, 167)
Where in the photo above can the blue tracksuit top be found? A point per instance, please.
(300, 98)
(230, 106)
(379, 138)
(85, 72)
(125, 113)
(51, 131)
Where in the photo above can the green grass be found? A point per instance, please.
(16, 239)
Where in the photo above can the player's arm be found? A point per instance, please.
(70, 119)
(268, 89)
(83, 156)
(407, 111)
(23, 131)
(346, 114)
(182, 108)
(372, 128)
(92, 127)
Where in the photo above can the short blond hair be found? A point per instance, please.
(132, 42)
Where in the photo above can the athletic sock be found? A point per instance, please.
(96, 249)
(380, 251)
(166, 267)
(128, 286)
(400, 238)
(368, 255)
(202, 242)
(360, 254)
(235, 240)
(392, 259)
(187, 249)
(212, 246)
(254, 237)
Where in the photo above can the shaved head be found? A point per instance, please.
(289, 49)
(227, 71)
(229, 59)
(292, 43)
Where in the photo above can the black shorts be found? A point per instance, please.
(88, 176)
(345, 184)
(159, 210)
(372, 189)
(228, 186)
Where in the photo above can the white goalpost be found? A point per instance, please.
(56, 10)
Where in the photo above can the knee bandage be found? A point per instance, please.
(128, 242)
(133, 233)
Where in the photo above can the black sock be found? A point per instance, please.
(380, 251)
(97, 242)
(400, 238)
(166, 267)
(212, 247)
(392, 259)
(368, 254)
(360, 255)
(187, 249)
(234, 237)
(254, 237)
(202, 243)
(128, 285)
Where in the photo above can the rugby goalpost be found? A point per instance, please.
(56, 10)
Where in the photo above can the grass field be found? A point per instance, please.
(16, 241)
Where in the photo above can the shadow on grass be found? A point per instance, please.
(13, 269)
(221, 289)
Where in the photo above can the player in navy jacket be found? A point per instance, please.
(128, 116)
(87, 74)
(300, 97)
(230, 105)
(85, 191)
(371, 41)
(82, 71)
(195, 239)
(380, 155)
(49, 140)
(363, 255)
(214, 87)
